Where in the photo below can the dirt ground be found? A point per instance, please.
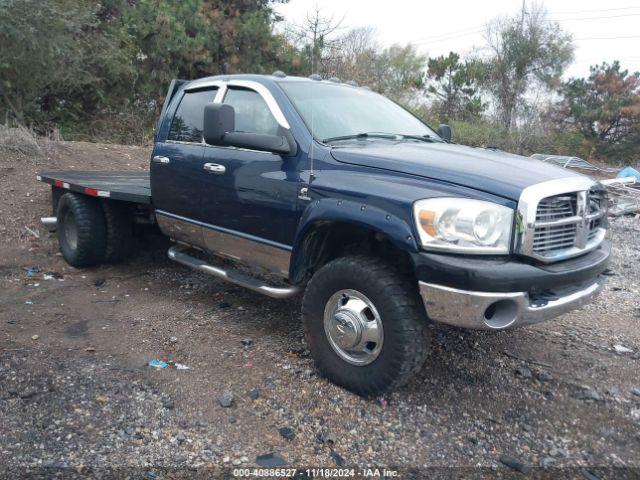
(77, 396)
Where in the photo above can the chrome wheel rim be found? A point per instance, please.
(70, 230)
(353, 327)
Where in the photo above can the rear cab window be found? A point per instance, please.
(187, 122)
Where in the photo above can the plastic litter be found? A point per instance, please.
(157, 363)
(271, 460)
(32, 271)
(53, 276)
(629, 172)
(29, 302)
(164, 363)
(622, 349)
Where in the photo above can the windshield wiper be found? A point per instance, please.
(360, 135)
(422, 138)
(390, 136)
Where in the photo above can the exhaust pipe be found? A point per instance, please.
(50, 223)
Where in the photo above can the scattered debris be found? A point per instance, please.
(53, 276)
(247, 342)
(544, 376)
(383, 402)
(28, 302)
(32, 271)
(629, 172)
(337, 458)
(523, 372)
(90, 349)
(32, 232)
(157, 363)
(622, 349)
(271, 460)
(173, 339)
(35, 337)
(624, 195)
(329, 438)
(572, 162)
(226, 399)
(625, 198)
(636, 391)
(587, 393)
(287, 432)
(589, 475)
(180, 366)
(254, 393)
(514, 463)
(27, 394)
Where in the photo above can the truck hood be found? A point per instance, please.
(492, 171)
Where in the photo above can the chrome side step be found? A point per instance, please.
(50, 223)
(178, 254)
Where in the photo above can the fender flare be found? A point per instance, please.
(397, 230)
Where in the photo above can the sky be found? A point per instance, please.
(437, 27)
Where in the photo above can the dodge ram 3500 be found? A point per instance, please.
(382, 222)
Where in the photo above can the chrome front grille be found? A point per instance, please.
(555, 235)
(555, 224)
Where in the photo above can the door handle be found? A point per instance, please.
(214, 168)
(161, 160)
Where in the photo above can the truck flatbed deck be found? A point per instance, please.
(121, 185)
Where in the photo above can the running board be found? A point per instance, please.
(178, 254)
(50, 223)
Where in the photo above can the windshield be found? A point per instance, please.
(333, 110)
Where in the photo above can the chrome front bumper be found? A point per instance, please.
(496, 310)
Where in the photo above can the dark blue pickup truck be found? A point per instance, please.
(331, 189)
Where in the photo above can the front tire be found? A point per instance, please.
(365, 325)
(82, 232)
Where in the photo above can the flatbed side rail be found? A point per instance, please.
(93, 190)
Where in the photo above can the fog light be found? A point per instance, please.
(500, 314)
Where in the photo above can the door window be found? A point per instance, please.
(252, 113)
(186, 125)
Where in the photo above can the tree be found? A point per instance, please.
(396, 71)
(352, 56)
(454, 84)
(524, 51)
(606, 107)
(400, 73)
(51, 51)
(95, 66)
(314, 37)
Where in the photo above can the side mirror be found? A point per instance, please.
(218, 120)
(445, 132)
(219, 129)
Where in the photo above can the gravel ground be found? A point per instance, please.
(78, 399)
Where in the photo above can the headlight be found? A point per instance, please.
(463, 225)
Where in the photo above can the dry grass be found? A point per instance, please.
(18, 140)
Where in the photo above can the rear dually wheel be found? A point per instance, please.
(82, 232)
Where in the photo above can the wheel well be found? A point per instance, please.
(328, 240)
